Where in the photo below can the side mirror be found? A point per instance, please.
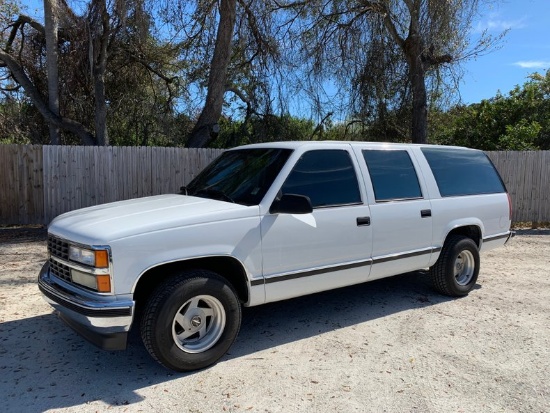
(291, 204)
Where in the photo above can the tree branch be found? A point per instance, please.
(320, 125)
(240, 94)
(381, 8)
(21, 21)
(282, 6)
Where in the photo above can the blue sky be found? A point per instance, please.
(524, 50)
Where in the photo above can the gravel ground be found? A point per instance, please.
(391, 345)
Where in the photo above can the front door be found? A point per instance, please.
(328, 248)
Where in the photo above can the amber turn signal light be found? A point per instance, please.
(101, 258)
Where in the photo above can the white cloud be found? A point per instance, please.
(496, 24)
(533, 64)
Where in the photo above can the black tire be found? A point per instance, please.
(455, 272)
(191, 320)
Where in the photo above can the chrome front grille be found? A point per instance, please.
(58, 247)
(60, 270)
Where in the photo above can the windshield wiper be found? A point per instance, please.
(214, 193)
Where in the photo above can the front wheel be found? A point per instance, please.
(455, 272)
(191, 320)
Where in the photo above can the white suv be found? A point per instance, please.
(269, 222)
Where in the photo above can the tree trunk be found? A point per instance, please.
(100, 31)
(100, 118)
(417, 78)
(413, 48)
(51, 28)
(201, 135)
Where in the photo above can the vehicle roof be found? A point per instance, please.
(299, 144)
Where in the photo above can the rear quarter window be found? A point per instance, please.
(463, 172)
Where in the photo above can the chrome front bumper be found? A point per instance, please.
(103, 323)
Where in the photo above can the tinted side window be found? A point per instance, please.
(327, 177)
(463, 172)
(392, 174)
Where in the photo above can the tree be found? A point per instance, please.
(388, 51)
(229, 50)
(16, 58)
(107, 33)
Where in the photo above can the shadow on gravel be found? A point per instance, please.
(45, 365)
(542, 231)
(279, 323)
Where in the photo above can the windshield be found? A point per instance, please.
(242, 176)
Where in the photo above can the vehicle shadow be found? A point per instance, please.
(282, 322)
(45, 365)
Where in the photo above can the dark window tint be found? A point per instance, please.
(327, 177)
(242, 176)
(463, 172)
(392, 174)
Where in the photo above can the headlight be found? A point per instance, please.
(92, 258)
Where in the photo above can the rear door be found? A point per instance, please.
(400, 210)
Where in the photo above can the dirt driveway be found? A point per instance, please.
(388, 346)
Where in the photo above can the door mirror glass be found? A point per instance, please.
(291, 204)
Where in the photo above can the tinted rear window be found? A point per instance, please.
(392, 174)
(463, 172)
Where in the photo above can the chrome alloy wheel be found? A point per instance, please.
(464, 267)
(198, 324)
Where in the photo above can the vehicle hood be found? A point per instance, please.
(104, 223)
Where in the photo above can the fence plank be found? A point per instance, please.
(21, 184)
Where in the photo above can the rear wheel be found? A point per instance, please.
(455, 272)
(191, 320)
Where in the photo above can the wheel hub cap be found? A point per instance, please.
(464, 267)
(198, 324)
(196, 321)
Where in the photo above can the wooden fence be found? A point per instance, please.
(527, 178)
(39, 182)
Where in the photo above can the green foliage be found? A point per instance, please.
(521, 136)
(392, 128)
(517, 121)
(268, 128)
(20, 123)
